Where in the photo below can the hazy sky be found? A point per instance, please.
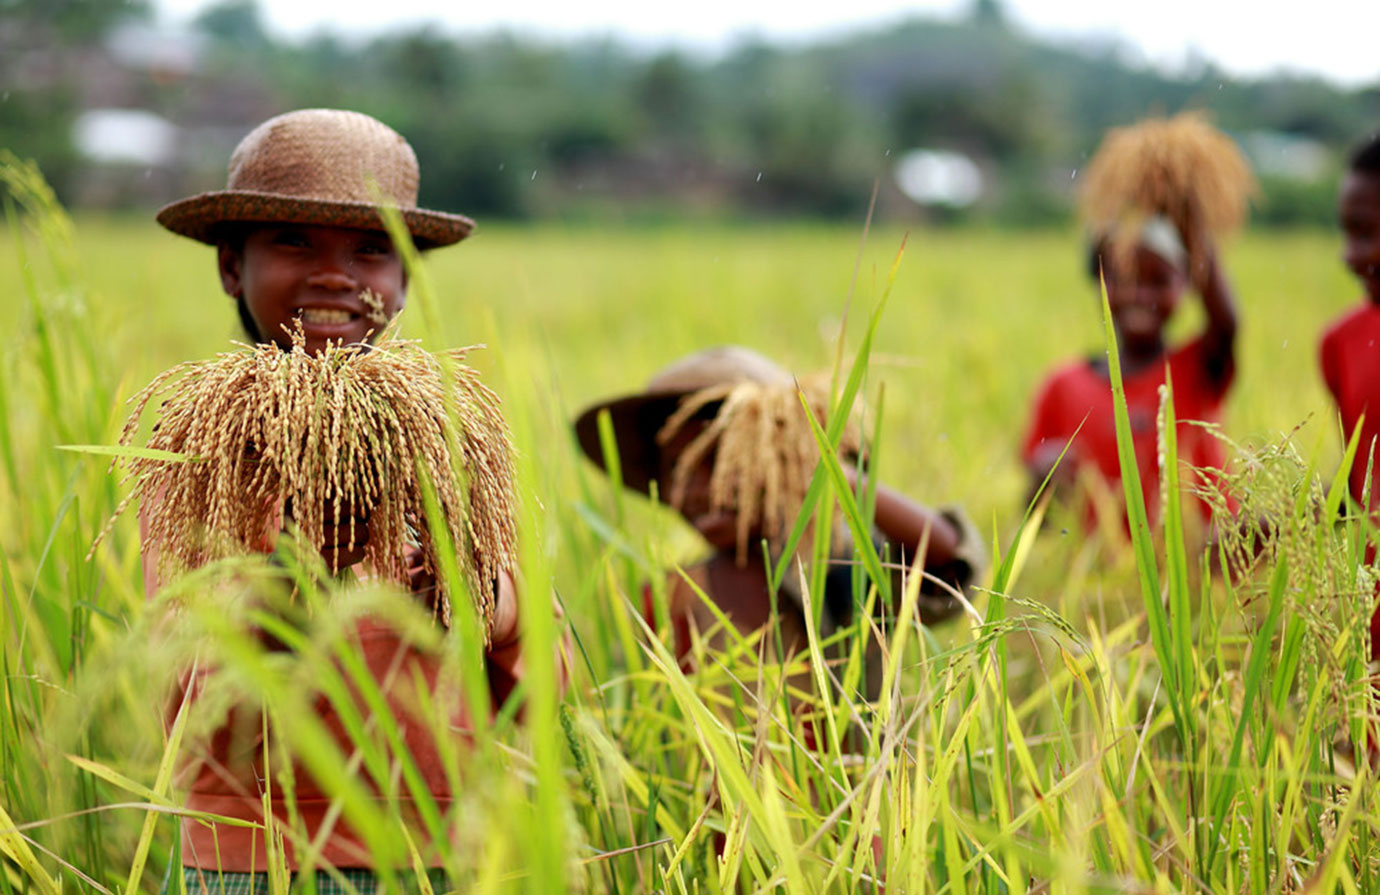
(1336, 38)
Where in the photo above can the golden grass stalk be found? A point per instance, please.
(1180, 167)
(764, 453)
(287, 436)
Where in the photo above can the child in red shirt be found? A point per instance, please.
(1349, 353)
(1143, 289)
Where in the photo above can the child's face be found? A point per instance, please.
(1143, 297)
(1359, 209)
(318, 276)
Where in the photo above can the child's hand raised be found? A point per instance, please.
(1204, 269)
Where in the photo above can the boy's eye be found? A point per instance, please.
(1358, 229)
(289, 238)
(375, 247)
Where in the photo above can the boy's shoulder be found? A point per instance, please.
(1353, 327)
(1072, 373)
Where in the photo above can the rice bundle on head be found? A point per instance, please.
(276, 435)
(765, 452)
(1182, 168)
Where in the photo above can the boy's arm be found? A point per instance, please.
(149, 554)
(1058, 457)
(1327, 359)
(505, 628)
(954, 550)
(1045, 445)
(905, 522)
(1219, 336)
(504, 658)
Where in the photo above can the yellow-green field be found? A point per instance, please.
(974, 321)
(1044, 749)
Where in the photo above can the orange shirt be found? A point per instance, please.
(224, 774)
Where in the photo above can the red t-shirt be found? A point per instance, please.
(1079, 393)
(1350, 355)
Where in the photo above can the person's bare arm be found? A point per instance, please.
(953, 549)
(505, 656)
(505, 627)
(1055, 457)
(504, 631)
(1219, 304)
(149, 554)
(906, 523)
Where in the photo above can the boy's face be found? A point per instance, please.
(1143, 297)
(318, 276)
(1359, 209)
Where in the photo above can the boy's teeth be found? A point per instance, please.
(325, 315)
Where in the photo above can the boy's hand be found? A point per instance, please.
(1219, 336)
(342, 547)
(1205, 268)
(1057, 458)
(422, 580)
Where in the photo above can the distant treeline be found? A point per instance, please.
(509, 125)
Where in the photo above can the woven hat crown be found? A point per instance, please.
(638, 417)
(328, 155)
(718, 366)
(325, 167)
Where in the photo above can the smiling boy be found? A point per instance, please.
(299, 242)
(340, 284)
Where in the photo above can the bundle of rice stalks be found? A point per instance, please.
(764, 453)
(277, 436)
(1180, 167)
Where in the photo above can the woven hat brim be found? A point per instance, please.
(636, 419)
(197, 216)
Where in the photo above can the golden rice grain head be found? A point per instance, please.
(1180, 167)
(284, 437)
(764, 453)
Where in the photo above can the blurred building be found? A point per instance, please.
(133, 118)
(939, 177)
(1287, 156)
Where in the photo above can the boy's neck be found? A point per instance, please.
(1139, 356)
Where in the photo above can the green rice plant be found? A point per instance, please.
(1100, 719)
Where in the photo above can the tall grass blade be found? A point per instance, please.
(1141, 541)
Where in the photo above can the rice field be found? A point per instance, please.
(1109, 719)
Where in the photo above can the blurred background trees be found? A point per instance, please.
(121, 110)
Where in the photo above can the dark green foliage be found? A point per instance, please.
(509, 125)
(236, 22)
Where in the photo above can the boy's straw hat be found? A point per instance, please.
(316, 166)
(637, 418)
